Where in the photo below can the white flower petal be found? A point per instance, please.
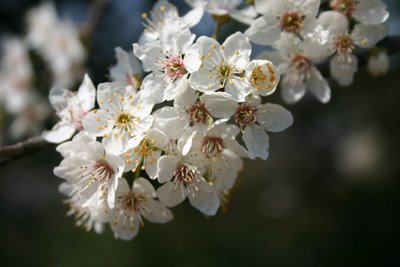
(60, 133)
(149, 54)
(264, 30)
(194, 16)
(155, 211)
(367, 36)
(203, 197)
(152, 90)
(237, 42)
(219, 105)
(200, 81)
(292, 93)
(245, 15)
(166, 168)
(172, 193)
(97, 122)
(274, 118)
(371, 12)
(86, 94)
(340, 25)
(238, 89)
(318, 86)
(257, 142)
(343, 71)
(144, 187)
(59, 98)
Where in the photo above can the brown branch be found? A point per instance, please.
(13, 152)
(95, 11)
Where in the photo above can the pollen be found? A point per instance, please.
(263, 77)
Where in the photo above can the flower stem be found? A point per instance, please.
(217, 29)
(138, 169)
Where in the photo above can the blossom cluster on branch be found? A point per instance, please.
(50, 44)
(181, 112)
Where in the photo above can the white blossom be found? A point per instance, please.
(57, 42)
(71, 107)
(364, 11)
(217, 154)
(255, 118)
(222, 67)
(181, 180)
(296, 61)
(132, 204)
(120, 117)
(88, 217)
(290, 16)
(162, 13)
(344, 63)
(128, 70)
(378, 63)
(146, 151)
(167, 60)
(92, 169)
(16, 75)
(224, 9)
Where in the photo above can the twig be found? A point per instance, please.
(21, 149)
(95, 11)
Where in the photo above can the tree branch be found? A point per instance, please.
(95, 11)
(21, 149)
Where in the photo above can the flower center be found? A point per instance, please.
(131, 201)
(263, 77)
(344, 44)
(225, 71)
(300, 63)
(145, 148)
(212, 146)
(245, 115)
(184, 174)
(346, 7)
(102, 171)
(76, 117)
(299, 69)
(174, 67)
(198, 113)
(291, 21)
(123, 119)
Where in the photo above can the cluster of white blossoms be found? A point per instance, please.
(301, 37)
(58, 43)
(57, 47)
(18, 97)
(145, 143)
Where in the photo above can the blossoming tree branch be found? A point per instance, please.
(181, 112)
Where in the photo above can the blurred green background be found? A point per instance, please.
(327, 196)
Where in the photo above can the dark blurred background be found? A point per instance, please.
(327, 196)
